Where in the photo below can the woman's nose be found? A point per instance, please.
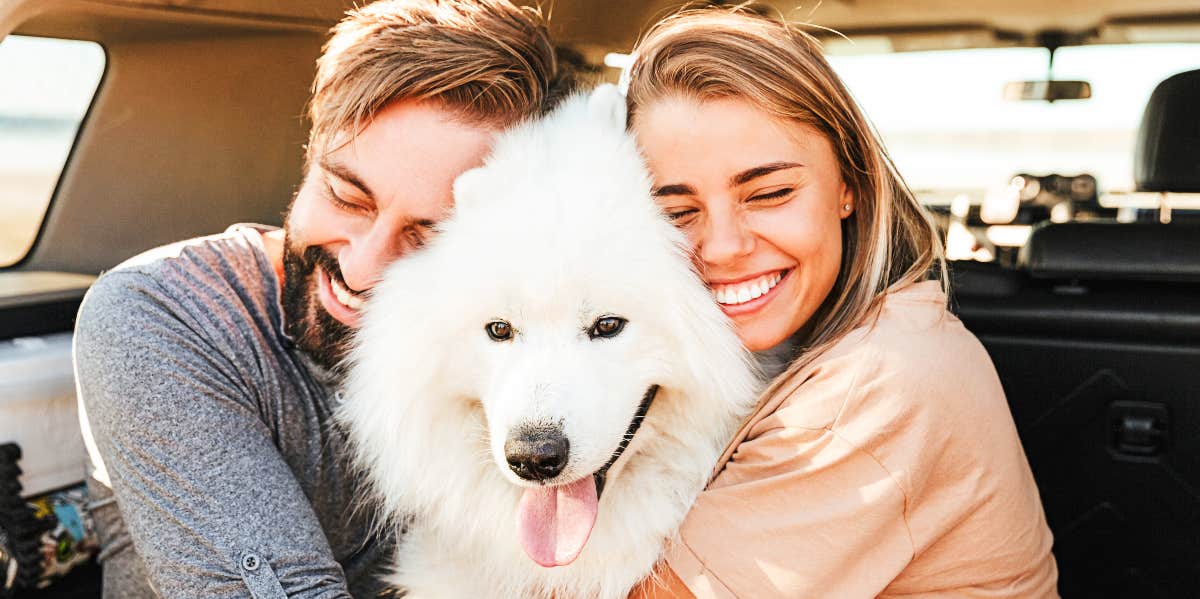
(725, 240)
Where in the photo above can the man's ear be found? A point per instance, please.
(606, 104)
(468, 186)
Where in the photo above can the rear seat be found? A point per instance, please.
(1097, 342)
(1111, 251)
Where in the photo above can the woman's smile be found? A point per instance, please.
(747, 295)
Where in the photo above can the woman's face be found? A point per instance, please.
(762, 201)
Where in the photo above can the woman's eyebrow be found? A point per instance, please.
(751, 174)
(674, 189)
(344, 173)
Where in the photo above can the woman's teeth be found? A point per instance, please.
(343, 295)
(731, 295)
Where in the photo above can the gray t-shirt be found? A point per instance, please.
(230, 478)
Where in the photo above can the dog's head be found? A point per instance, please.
(558, 307)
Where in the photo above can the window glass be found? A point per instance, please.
(949, 129)
(958, 142)
(47, 86)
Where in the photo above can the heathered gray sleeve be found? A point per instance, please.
(211, 506)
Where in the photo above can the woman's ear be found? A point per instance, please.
(846, 203)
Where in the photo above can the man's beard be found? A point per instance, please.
(315, 331)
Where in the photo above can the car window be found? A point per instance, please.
(949, 129)
(957, 141)
(47, 86)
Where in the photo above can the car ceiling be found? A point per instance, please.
(615, 24)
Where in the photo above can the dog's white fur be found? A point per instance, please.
(557, 229)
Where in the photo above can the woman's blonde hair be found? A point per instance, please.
(889, 240)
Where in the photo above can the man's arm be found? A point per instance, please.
(210, 505)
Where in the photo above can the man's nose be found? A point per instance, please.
(365, 258)
(724, 239)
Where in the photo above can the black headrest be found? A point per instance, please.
(1109, 250)
(1167, 157)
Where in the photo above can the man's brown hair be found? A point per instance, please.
(488, 61)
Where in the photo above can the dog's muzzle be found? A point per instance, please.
(537, 453)
(634, 425)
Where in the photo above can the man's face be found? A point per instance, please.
(372, 200)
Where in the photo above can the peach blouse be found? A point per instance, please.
(888, 467)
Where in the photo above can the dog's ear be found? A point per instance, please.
(467, 186)
(606, 104)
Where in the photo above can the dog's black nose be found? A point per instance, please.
(536, 453)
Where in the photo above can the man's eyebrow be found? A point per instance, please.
(344, 173)
(674, 189)
(751, 174)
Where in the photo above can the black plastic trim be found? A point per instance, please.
(24, 320)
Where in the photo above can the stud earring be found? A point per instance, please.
(845, 207)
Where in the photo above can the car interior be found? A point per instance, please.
(128, 124)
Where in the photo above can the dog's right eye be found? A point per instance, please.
(499, 330)
(606, 327)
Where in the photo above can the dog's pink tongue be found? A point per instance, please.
(553, 523)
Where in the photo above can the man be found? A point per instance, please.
(207, 369)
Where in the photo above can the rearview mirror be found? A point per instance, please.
(1047, 90)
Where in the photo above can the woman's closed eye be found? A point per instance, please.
(777, 194)
(678, 213)
(680, 216)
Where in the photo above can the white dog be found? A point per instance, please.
(540, 394)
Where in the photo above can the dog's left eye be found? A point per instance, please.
(608, 326)
(499, 330)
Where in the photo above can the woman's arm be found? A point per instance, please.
(663, 584)
(800, 514)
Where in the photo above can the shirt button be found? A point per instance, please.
(250, 562)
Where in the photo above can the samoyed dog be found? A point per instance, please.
(539, 395)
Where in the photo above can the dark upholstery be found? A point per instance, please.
(1167, 156)
(1086, 365)
(1096, 338)
(1114, 251)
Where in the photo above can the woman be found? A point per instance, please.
(883, 460)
